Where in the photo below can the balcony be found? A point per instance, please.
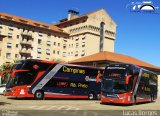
(26, 33)
(26, 43)
(25, 51)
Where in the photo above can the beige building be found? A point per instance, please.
(71, 38)
(89, 33)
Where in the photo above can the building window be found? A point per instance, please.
(49, 35)
(39, 41)
(83, 53)
(83, 37)
(58, 52)
(48, 43)
(48, 52)
(39, 51)
(71, 53)
(58, 44)
(9, 45)
(38, 57)
(16, 45)
(8, 55)
(47, 58)
(76, 53)
(10, 27)
(16, 55)
(40, 34)
(77, 38)
(17, 36)
(64, 46)
(65, 40)
(64, 54)
(76, 45)
(54, 43)
(83, 44)
(54, 51)
(1, 26)
(9, 35)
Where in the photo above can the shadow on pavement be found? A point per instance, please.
(3, 103)
(112, 104)
(15, 98)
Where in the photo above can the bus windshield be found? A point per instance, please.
(115, 86)
(21, 78)
(114, 81)
(28, 70)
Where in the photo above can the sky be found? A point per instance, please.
(137, 35)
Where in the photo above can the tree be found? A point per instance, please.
(5, 77)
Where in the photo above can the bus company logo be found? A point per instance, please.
(144, 6)
(87, 78)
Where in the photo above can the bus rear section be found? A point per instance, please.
(128, 84)
(56, 81)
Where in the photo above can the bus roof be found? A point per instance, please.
(129, 65)
(52, 62)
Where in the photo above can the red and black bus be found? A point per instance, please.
(45, 79)
(128, 84)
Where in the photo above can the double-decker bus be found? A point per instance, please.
(128, 84)
(45, 79)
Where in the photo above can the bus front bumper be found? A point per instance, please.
(17, 92)
(121, 100)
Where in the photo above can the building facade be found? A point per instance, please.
(71, 38)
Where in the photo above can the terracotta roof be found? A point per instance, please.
(80, 17)
(114, 57)
(68, 21)
(30, 22)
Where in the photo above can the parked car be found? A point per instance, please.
(3, 89)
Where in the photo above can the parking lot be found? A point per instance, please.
(51, 104)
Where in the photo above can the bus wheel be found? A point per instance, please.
(134, 103)
(151, 97)
(91, 96)
(4, 93)
(39, 95)
(98, 96)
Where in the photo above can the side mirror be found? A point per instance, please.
(127, 78)
(98, 77)
(13, 73)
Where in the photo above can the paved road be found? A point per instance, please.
(78, 105)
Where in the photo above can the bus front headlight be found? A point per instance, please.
(122, 97)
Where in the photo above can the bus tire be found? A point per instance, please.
(39, 95)
(98, 96)
(134, 103)
(91, 96)
(152, 99)
(4, 93)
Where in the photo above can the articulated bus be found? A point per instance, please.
(41, 79)
(128, 84)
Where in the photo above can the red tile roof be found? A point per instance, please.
(78, 18)
(114, 57)
(30, 22)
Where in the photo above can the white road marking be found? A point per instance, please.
(56, 107)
